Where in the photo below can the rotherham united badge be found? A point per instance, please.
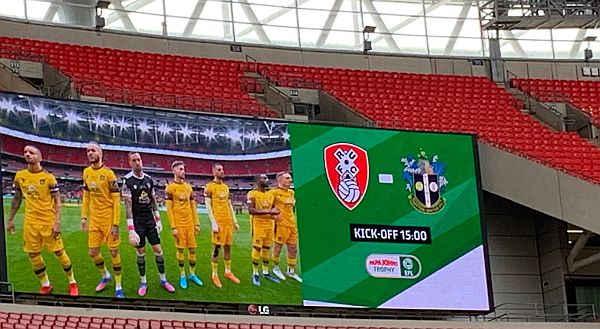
(347, 169)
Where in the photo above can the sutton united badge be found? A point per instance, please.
(347, 169)
(426, 181)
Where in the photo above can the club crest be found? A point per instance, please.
(425, 180)
(347, 169)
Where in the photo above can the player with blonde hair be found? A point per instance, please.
(286, 231)
(183, 217)
(100, 216)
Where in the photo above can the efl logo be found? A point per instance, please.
(347, 169)
(393, 266)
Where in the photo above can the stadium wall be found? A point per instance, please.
(513, 252)
(458, 66)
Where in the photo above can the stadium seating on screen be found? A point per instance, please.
(61, 155)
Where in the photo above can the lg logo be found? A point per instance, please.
(258, 309)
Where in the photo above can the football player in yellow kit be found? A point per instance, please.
(260, 206)
(286, 231)
(101, 214)
(41, 226)
(223, 222)
(183, 217)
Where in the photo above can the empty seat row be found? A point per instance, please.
(449, 104)
(585, 95)
(427, 102)
(115, 70)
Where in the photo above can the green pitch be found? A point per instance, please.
(87, 276)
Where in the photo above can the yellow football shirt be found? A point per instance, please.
(262, 200)
(219, 195)
(102, 188)
(285, 201)
(37, 189)
(179, 199)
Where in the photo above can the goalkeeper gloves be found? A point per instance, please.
(134, 238)
(159, 227)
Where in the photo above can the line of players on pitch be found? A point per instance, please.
(271, 210)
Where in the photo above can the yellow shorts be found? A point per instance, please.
(286, 234)
(262, 234)
(224, 237)
(186, 237)
(36, 237)
(99, 235)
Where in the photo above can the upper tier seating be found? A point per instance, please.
(585, 95)
(145, 78)
(445, 103)
(426, 102)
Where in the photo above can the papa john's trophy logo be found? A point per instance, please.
(347, 169)
(425, 179)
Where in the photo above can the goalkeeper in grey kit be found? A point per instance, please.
(143, 220)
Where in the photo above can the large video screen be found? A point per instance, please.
(389, 219)
(351, 217)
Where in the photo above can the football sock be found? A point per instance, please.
(255, 258)
(160, 262)
(291, 265)
(39, 268)
(227, 265)
(180, 261)
(192, 262)
(99, 262)
(141, 264)
(65, 262)
(215, 267)
(275, 260)
(265, 253)
(116, 264)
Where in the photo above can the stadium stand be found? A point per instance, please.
(173, 82)
(583, 94)
(118, 160)
(446, 103)
(426, 102)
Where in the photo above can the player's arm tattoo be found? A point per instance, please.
(15, 204)
(126, 195)
(57, 206)
(154, 205)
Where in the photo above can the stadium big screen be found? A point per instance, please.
(386, 219)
